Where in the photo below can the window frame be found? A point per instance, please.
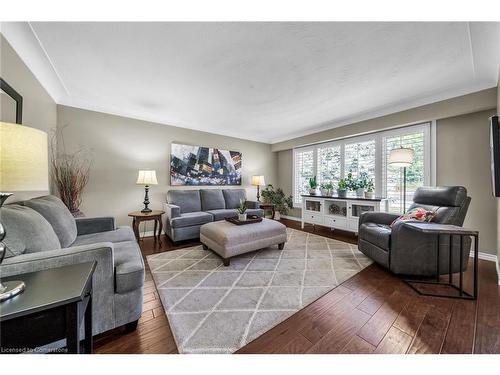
(380, 184)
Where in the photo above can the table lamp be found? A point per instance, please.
(258, 181)
(402, 158)
(146, 178)
(24, 166)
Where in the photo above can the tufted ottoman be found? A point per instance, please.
(229, 240)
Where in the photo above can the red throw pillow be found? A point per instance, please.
(418, 214)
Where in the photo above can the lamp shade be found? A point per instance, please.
(401, 157)
(258, 181)
(24, 162)
(147, 178)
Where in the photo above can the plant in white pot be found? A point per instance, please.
(313, 185)
(369, 193)
(242, 211)
(326, 189)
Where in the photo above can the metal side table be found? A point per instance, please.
(448, 230)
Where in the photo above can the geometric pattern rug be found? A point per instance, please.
(216, 309)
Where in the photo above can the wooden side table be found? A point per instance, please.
(268, 206)
(138, 217)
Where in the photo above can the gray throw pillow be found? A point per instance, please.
(26, 231)
(58, 215)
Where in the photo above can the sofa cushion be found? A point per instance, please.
(58, 215)
(129, 266)
(222, 214)
(377, 234)
(233, 197)
(255, 211)
(120, 234)
(26, 231)
(212, 199)
(190, 219)
(187, 200)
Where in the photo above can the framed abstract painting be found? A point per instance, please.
(198, 165)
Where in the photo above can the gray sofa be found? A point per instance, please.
(42, 234)
(187, 210)
(408, 252)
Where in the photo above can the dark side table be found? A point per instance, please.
(53, 306)
(441, 230)
(268, 206)
(138, 217)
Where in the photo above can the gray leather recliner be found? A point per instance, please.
(408, 252)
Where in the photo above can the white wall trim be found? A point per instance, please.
(433, 160)
(485, 256)
(291, 218)
(498, 272)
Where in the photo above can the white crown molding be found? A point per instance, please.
(21, 37)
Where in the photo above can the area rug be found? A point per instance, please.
(217, 309)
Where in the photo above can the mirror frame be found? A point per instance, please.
(16, 96)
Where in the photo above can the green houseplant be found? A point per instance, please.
(313, 185)
(282, 203)
(242, 211)
(342, 188)
(326, 189)
(370, 187)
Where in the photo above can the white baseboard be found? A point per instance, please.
(498, 272)
(485, 256)
(294, 218)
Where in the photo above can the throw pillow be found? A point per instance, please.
(418, 214)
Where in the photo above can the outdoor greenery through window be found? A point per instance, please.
(332, 161)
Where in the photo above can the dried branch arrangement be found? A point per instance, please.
(70, 171)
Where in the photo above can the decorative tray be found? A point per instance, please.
(251, 219)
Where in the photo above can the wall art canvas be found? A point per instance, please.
(197, 165)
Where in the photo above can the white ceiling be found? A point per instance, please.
(262, 81)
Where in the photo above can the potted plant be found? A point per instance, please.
(282, 203)
(342, 188)
(242, 211)
(313, 185)
(369, 189)
(327, 189)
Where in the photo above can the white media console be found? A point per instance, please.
(338, 213)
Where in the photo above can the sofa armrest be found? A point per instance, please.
(103, 278)
(171, 211)
(252, 204)
(377, 218)
(90, 225)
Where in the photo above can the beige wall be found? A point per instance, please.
(463, 158)
(39, 110)
(475, 102)
(121, 146)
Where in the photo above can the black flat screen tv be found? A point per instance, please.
(495, 155)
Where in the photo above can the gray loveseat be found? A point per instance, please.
(42, 234)
(408, 252)
(187, 210)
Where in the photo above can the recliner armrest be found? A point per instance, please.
(377, 218)
(171, 211)
(88, 225)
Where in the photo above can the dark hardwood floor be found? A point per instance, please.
(373, 312)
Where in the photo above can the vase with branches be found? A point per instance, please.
(70, 172)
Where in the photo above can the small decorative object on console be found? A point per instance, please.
(313, 185)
